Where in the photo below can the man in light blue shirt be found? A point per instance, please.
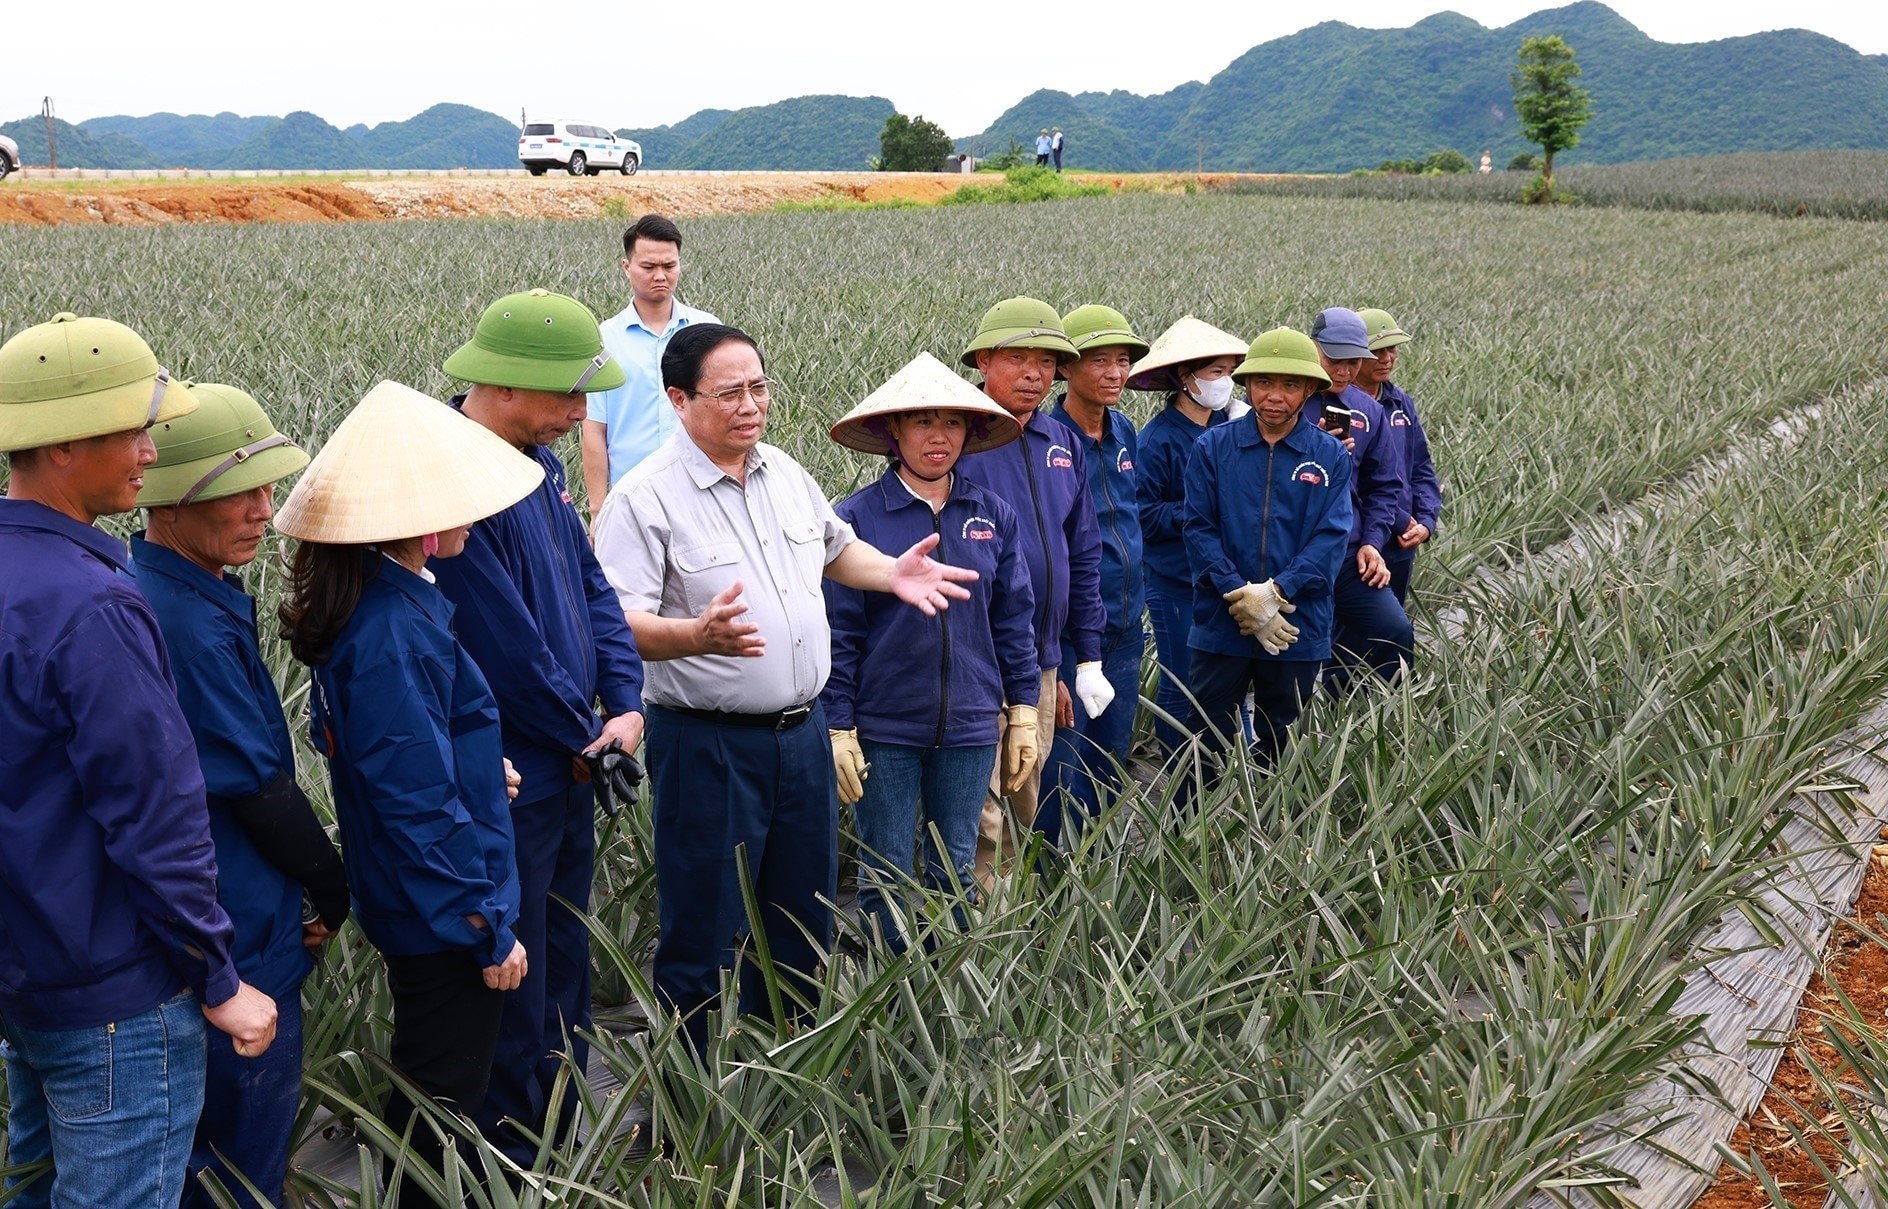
(627, 424)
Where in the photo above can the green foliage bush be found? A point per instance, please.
(1026, 184)
(1447, 161)
(1527, 161)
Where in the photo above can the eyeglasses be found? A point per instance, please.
(758, 390)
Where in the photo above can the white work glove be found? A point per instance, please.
(1277, 634)
(1092, 689)
(1020, 748)
(849, 765)
(1255, 604)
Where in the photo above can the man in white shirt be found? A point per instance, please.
(627, 424)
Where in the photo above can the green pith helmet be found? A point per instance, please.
(225, 447)
(1384, 331)
(1095, 326)
(1282, 351)
(537, 341)
(74, 378)
(1020, 323)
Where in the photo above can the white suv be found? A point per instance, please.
(577, 147)
(10, 156)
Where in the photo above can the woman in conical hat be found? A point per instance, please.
(1193, 362)
(409, 726)
(916, 704)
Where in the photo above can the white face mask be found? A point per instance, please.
(1212, 394)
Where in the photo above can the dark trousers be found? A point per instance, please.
(1401, 562)
(556, 842)
(1370, 630)
(1279, 689)
(445, 1029)
(1057, 152)
(732, 798)
(249, 1107)
(1088, 758)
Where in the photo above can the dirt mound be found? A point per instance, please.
(140, 203)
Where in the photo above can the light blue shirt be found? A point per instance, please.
(637, 413)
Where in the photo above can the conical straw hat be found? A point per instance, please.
(404, 465)
(923, 384)
(1189, 339)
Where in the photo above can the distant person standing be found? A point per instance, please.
(627, 423)
(1488, 161)
(1043, 145)
(1055, 147)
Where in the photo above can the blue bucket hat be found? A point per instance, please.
(1341, 334)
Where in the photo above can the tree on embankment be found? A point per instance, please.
(1552, 107)
(912, 145)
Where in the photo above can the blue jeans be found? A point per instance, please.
(1370, 628)
(1094, 752)
(113, 1106)
(946, 784)
(249, 1107)
(729, 797)
(556, 841)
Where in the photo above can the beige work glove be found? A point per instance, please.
(1020, 748)
(1255, 604)
(1277, 634)
(849, 765)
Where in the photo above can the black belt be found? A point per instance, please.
(780, 719)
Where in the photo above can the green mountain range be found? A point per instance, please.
(1325, 99)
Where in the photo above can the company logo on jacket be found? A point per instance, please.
(1059, 458)
(1123, 464)
(980, 529)
(1309, 472)
(1399, 418)
(1359, 421)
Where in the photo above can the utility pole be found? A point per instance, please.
(52, 149)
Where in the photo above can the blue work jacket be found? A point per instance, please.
(107, 872)
(535, 612)
(1377, 466)
(235, 716)
(1044, 477)
(1259, 511)
(1166, 441)
(901, 677)
(1421, 496)
(1113, 491)
(410, 730)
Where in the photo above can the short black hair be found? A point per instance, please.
(657, 228)
(688, 348)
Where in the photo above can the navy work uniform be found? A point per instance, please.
(1259, 510)
(1419, 497)
(1370, 625)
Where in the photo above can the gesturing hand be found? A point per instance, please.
(719, 632)
(918, 579)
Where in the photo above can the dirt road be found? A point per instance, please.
(316, 199)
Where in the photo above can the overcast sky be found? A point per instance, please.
(960, 63)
